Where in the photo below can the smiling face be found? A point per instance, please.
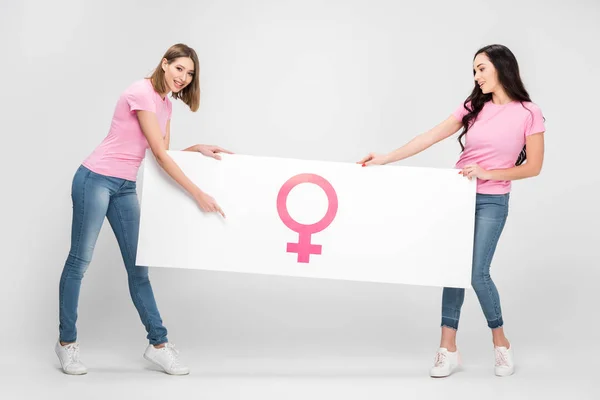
(179, 73)
(486, 75)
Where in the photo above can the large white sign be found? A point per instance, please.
(311, 219)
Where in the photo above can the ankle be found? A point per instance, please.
(451, 347)
(502, 343)
(159, 346)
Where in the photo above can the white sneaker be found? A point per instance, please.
(505, 364)
(167, 358)
(445, 363)
(69, 359)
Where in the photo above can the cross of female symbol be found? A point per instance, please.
(304, 248)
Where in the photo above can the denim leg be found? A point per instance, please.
(452, 301)
(90, 196)
(490, 218)
(124, 217)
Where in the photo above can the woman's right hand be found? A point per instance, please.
(374, 159)
(208, 204)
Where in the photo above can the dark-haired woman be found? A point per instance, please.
(502, 129)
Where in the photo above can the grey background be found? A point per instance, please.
(322, 80)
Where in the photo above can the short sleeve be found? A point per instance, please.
(140, 98)
(461, 111)
(535, 122)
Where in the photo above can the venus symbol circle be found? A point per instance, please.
(304, 248)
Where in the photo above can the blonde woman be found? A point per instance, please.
(105, 186)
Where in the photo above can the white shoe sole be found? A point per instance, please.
(434, 375)
(507, 372)
(163, 369)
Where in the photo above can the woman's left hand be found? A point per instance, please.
(211, 151)
(475, 171)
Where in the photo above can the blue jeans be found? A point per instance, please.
(94, 197)
(490, 216)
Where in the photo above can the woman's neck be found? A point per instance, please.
(500, 97)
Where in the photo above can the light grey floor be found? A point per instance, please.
(259, 337)
(276, 373)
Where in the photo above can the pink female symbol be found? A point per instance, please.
(304, 248)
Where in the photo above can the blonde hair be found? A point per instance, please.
(190, 95)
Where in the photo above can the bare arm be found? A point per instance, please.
(425, 140)
(207, 150)
(158, 145)
(533, 166)
(421, 142)
(167, 138)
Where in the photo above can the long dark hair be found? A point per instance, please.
(507, 68)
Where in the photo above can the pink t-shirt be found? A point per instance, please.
(496, 138)
(123, 149)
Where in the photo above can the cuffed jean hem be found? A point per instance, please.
(450, 323)
(497, 323)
